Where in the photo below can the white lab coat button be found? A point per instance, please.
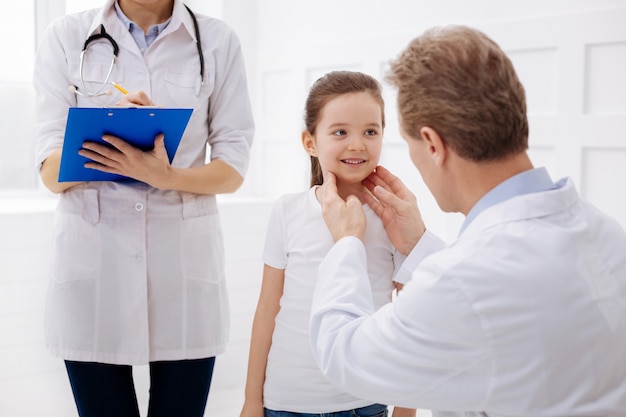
(139, 206)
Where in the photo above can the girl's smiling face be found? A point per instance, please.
(348, 138)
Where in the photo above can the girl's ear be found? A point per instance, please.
(309, 143)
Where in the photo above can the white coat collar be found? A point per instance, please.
(106, 16)
(527, 206)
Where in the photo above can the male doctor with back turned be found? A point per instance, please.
(525, 313)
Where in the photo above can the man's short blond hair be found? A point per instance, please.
(459, 82)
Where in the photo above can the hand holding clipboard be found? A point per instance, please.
(138, 126)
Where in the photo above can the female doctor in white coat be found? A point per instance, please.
(138, 266)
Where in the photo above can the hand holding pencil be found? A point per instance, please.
(138, 98)
(119, 88)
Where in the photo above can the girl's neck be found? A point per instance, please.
(345, 190)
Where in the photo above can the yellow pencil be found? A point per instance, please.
(119, 87)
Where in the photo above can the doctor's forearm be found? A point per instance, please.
(217, 177)
(49, 173)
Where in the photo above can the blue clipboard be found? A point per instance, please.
(136, 125)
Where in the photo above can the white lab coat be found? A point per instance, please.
(524, 315)
(138, 273)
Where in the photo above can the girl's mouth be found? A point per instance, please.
(353, 161)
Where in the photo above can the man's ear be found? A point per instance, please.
(308, 143)
(436, 147)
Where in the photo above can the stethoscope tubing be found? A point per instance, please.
(107, 79)
(104, 35)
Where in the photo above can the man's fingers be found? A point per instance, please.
(370, 182)
(391, 182)
(331, 181)
(342, 217)
(374, 180)
(373, 203)
(353, 202)
(329, 189)
(388, 198)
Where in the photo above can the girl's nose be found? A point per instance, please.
(356, 143)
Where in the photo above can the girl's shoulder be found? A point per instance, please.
(297, 200)
(294, 210)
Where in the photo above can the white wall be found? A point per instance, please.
(570, 55)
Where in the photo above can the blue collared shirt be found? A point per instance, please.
(531, 181)
(144, 40)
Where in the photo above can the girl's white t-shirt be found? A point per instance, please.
(297, 241)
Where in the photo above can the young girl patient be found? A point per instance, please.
(344, 123)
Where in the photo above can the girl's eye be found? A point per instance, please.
(339, 132)
(371, 132)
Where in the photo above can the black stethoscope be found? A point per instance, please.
(86, 92)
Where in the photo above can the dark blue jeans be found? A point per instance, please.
(374, 410)
(177, 388)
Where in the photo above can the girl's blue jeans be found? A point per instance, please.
(374, 410)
